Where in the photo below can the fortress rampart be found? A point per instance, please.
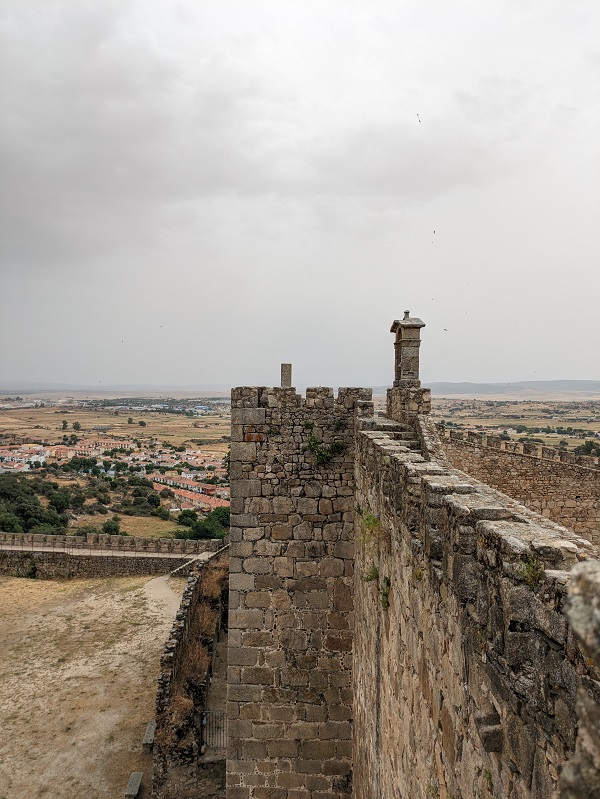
(466, 673)
(398, 630)
(558, 485)
(101, 542)
(50, 557)
(63, 565)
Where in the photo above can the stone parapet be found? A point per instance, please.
(62, 565)
(404, 404)
(561, 486)
(519, 447)
(466, 670)
(101, 542)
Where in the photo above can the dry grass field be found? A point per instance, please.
(141, 526)
(46, 423)
(78, 665)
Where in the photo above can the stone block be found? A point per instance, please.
(249, 416)
(133, 786)
(282, 748)
(258, 676)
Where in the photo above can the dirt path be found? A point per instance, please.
(78, 664)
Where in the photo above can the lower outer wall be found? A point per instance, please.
(60, 565)
(566, 493)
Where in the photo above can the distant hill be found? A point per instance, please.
(519, 389)
(538, 388)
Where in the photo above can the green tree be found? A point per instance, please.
(187, 517)
(222, 515)
(60, 501)
(9, 523)
(111, 526)
(65, 424)
(142, 423)
(153, 499)
(130, 420)
(77, 426)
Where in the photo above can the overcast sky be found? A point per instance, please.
(193, 192)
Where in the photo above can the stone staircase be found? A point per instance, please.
(397, 431)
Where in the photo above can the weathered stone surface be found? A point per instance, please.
(301, 571)
(566, 492)
(403, 627)
(469, 663)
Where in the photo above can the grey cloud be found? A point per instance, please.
(172, 163)
(107, 132)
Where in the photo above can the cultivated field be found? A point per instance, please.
(78, 664)
(46, 423)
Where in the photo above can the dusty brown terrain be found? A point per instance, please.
(46, 423)
(78, 664)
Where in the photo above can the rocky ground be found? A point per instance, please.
(78, 664)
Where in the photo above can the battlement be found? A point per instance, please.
(101, 543)
(315, 397)
(559, 485)
(476, 439)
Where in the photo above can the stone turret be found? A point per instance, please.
(408, 341)
(407, 399)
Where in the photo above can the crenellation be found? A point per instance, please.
(560, 486)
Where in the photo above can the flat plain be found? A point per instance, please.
(46, 423)
(78, 667)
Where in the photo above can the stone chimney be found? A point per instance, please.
(408, 341)
(407, 399)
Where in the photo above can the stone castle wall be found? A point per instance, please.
(383, 595)
(291, 578)
(466, 672)
(560, 486)
(122, 543)
(62, 565)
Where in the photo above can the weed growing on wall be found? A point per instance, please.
(384, 593)
(369, 528)
(31, 572)
(487, 779)
(324, 453)
(371, 574)
(532, 570)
